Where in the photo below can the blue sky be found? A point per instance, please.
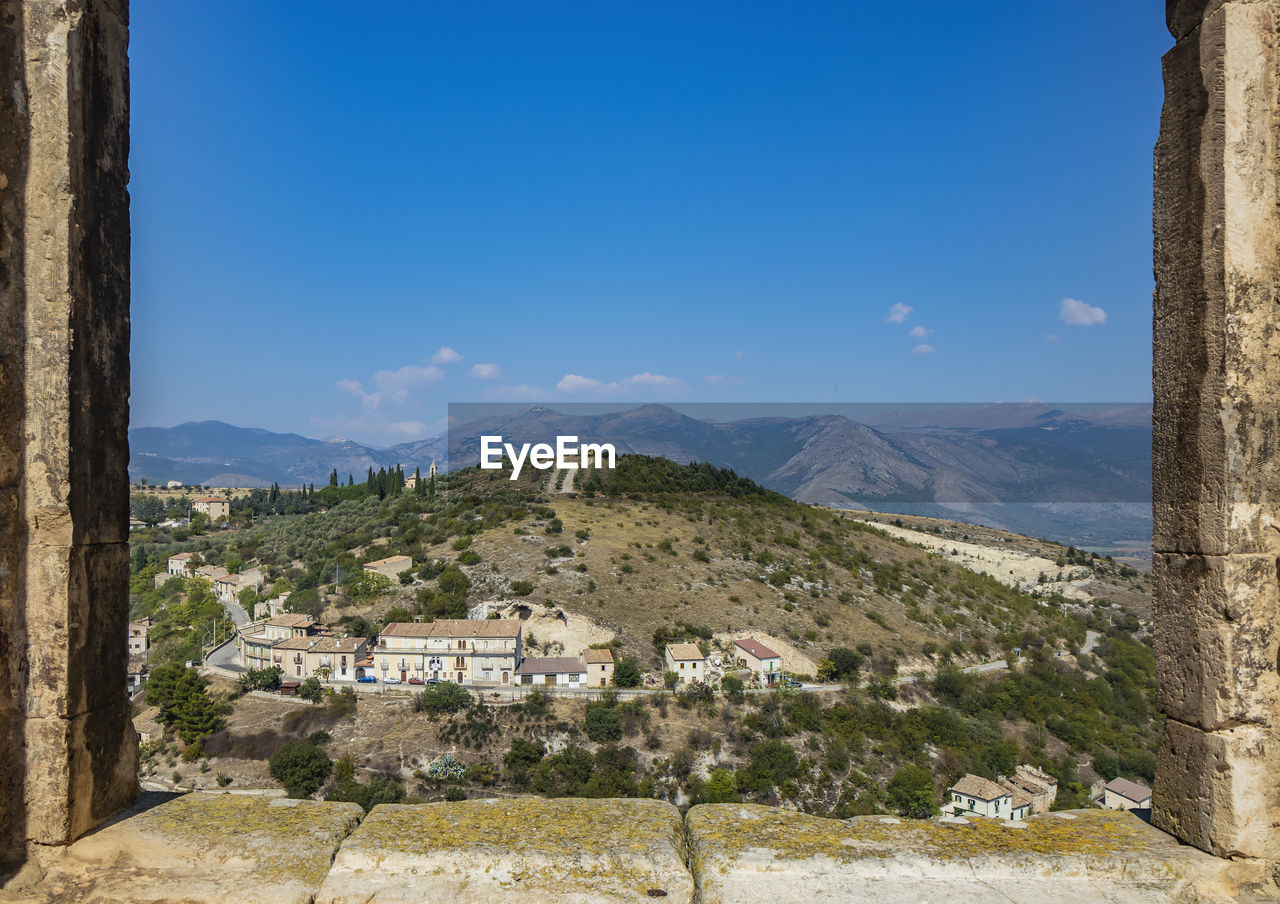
(344, 219)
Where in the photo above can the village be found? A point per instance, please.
(487, 655)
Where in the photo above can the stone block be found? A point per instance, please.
(1217, 790)
(743, 853)
(199, 849)
(1216, 638)
(563, 850)
(1217, 258)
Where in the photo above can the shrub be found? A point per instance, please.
(626, 673)
(603, 723)
(913, 793)
(300, 767)
(455, 794)
(445, 698)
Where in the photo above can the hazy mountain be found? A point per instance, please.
(1026, 467)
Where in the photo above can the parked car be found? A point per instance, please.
(787, 681)
(367, 679)
(416, 681)
(391, 679)
(433, 681)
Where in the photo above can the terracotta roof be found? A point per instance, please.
(476, 627)
(406, 629)
(1130, 790)
(209, 499)
(338, 645)
(684, 651)
(295, 643)
(595, 657)
(550, 665)
(979, 787)
(756, 648)
(182, 555)
(1020, 801)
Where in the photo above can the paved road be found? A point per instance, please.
(566, 485)
(237, 613)
(226, 657)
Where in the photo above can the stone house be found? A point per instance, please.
(138, 639)
(764, 663)
(390, 567)
(468, 651)
(214, 507)
(1123, 794)
(974, 795)
(686, 661)
(552, 671)
(180, 564)
(257, 640)
(599, 667)
(1037, 786)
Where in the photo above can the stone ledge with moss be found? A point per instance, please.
(747, 853)
(563, 850)
(197, 848)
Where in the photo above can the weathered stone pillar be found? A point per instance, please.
(68, 751)
(1217, 428)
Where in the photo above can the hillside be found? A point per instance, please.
(656, 551)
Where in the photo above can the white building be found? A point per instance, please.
(552, 671)
(467, 651)
(1122, 794)
(180, 564)
(764, 662)
(686, 661)
(974, 795)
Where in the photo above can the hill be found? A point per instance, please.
(655, 552)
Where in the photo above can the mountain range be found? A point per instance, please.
(1080, 476)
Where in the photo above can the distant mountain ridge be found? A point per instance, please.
(1026, 466)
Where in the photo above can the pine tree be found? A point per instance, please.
(351, 479)
(333, 478)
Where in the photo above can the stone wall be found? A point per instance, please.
(1217, 426)
(67, 749)
(213, 848)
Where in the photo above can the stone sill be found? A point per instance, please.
(209, 847)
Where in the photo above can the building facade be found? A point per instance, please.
(466, 651)
(599, 667)
(214, 507)
(974, 795)
(552, 671)
(764, 663)
(1122, 794)
(686, 661)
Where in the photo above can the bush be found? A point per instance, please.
(603, 723)
(310, 689)
(384, 789)
(912, 791)
(445, 698)
(300, 767)
(626, 673)
(522, 588)
(731, 685)
(455, 794)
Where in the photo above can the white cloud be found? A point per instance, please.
(899, 313)
(575, 384)
(721, 380)
(922, 350)
(356, 388)
(1052, 337)
(486, 371)
(398, 384)
(1078, 313)
(920, 332)
(445, 355)
(392, 385)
